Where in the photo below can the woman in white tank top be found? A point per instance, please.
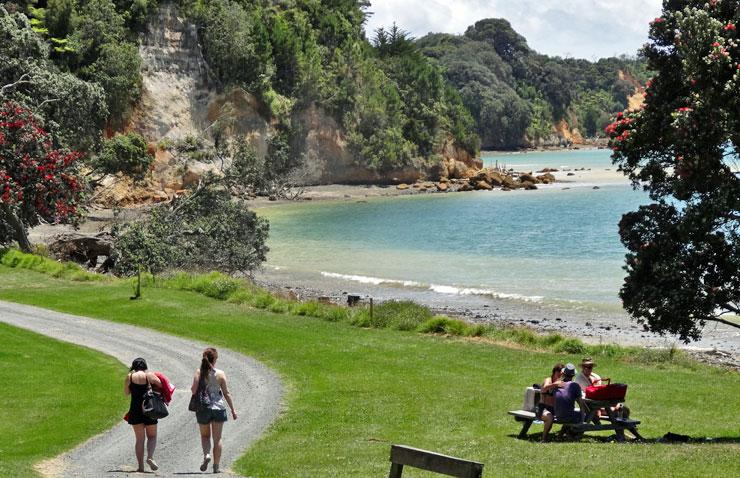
(212, 417)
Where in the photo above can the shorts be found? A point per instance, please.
(209, 415)
(541, 407)
(138, 418)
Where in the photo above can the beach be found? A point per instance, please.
(352, 240)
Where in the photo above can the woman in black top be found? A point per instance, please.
(137, 383)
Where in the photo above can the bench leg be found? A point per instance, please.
(633, 430)
(396, 470)
(525, 429)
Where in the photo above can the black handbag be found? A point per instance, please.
(153, 405)
(200, 400)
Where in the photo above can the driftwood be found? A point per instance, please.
(84, 248)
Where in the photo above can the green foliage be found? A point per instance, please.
(61, 270)
(398, 315)
(204, 230)
(683, 260)
(117, 71)
(516, 95)
(448, 326)
(72, 110)
(235, 43)
(124, 153)
(394, 105)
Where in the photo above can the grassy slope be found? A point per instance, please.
(353, 392)
(40, 416)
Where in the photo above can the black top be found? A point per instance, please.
(135, 415)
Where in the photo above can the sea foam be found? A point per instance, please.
(437, 288)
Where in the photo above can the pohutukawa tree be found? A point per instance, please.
(37, 182)
(683, 264)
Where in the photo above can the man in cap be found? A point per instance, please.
(587, 377)
(566, 396)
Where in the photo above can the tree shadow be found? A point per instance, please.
(674, 440)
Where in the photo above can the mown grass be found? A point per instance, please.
(55, 395)
(354, 391)
(396, 315)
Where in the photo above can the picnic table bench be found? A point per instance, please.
(592, 420)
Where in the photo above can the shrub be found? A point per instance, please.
(398, 315)
(444, 325)
(60, 270)
(571, 346)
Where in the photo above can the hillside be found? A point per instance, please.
(520, 98)
(312, 93)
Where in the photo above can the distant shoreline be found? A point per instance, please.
(352, 192)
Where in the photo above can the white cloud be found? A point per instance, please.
(580, 28)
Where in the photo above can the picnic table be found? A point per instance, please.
(592, 421)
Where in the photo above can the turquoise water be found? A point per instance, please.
(565, 159)
(553, 244)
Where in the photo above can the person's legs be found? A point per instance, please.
(151, 444)
(216, 429)
(139, 446)
(547, 420)
(205, 442)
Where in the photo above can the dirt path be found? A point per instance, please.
(256, 390)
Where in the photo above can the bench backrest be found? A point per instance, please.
(426, 460)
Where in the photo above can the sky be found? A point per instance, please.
(588, 29)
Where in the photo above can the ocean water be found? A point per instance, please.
(558, 244)
(597, 159)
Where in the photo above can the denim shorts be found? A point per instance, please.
(209, 415)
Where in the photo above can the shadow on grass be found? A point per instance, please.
(555, 438)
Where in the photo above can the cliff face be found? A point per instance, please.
(179, 100)
(328, 159)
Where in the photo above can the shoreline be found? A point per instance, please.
(564, 179)
(720, 345)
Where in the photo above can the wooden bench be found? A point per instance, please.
(427, 460)
(593, 423)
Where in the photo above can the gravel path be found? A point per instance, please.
(256, 390)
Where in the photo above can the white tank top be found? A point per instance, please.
(214, 391)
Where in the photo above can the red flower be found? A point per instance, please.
(716, 44)
(730, 27)
(659, 20)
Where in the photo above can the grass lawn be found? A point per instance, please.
(45, 385)
(352, 392)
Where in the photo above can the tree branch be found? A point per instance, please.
(52, 100)
(731, 308)
(20, 81)
(723, 321)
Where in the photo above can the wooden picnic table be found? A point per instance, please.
(592, 421)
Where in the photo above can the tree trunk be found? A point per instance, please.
(20, 236)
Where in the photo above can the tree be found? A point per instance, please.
(204, 230)
(37, 182)
(683, 264)
(123, 153)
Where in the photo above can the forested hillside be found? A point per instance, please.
(316, 89)
(521, 98)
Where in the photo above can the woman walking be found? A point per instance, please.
(212, 416)
(138, 381)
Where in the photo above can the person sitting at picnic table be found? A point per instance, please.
(566, 396)
(548, 389)
(587, 377)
